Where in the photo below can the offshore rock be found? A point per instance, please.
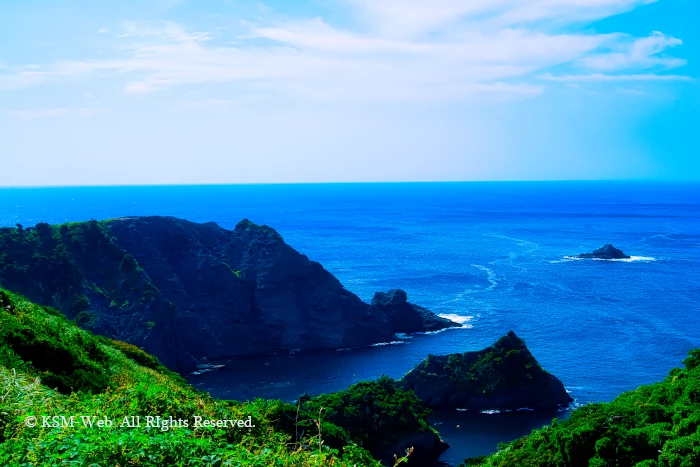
(605, 252)
(406, 317)
(504, 376)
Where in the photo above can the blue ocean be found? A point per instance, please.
(493, 256)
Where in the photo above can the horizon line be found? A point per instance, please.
(388, 182)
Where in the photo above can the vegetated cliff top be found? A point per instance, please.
(504, 376)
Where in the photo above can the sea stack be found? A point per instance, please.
(504, 376)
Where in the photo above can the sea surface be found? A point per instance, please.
(490, 255)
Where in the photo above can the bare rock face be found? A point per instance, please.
(605, 252)
(246, 292)
(504, 376)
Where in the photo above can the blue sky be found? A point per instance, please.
(223, 91)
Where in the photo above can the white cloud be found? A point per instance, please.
(407, 18)
(414, 51)
(602, 77)
(56, 113)
(19, 80)
(632, 91)
(639, 54)
(103, 31)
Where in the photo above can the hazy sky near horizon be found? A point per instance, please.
(225, 91)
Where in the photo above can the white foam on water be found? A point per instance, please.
(430, 333)
(456, 318)
(387, 343)
(343, 350)
(489, 412)
(490, 276)
(566, 259)
(631, 259)
(527, 409)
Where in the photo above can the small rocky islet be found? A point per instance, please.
(607, 251)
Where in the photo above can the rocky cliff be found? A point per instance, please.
(504, 376)
(184, 291)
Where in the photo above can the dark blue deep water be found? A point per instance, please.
(492, 254)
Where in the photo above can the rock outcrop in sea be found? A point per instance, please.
(183, 291)
(406, 317)
(605, 252)
(504, 376)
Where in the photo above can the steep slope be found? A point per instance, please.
(504, 376)
(246, 291)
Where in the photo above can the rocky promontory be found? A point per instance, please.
(605, 252)
(504, 376)
(406, 317)
(183, 290)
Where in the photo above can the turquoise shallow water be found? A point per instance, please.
(493, 254)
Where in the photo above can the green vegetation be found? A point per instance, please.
(51, 367)
(375, 414)
(235, 273)
(652, 426)
(504, 364)
(266, 229)
(502, 376)
(69, 266)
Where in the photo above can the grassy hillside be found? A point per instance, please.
(653, 426)
(51, 367)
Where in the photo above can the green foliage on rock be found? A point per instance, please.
(504, 375)
(69, 266)
(653, 426)
(375, 414)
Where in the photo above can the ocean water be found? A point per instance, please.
(491, 255)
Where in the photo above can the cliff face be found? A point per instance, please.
(184, 291)
(504, 376)
(246, 291)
